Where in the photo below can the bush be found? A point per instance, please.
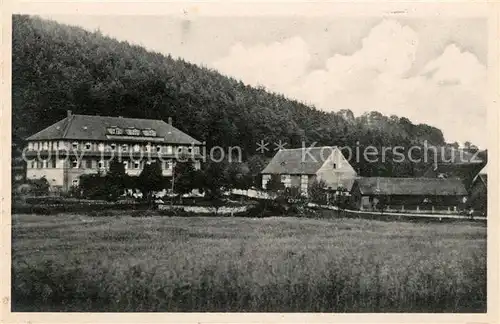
(42, 210)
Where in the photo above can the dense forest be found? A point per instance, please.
(57, 67)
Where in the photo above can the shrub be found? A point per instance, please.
(42, 210)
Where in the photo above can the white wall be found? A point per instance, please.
(336, 170)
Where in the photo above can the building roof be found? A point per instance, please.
(484, 178)
(87, 127)
(411, 186)
(299, 161)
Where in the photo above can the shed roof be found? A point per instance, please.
(88, 127)
(299, 161)
(411, 186)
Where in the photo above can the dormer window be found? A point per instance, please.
(88, 146)
(74, 145)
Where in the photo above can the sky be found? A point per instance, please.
(431, 71)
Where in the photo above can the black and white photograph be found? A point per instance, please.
(250, 163)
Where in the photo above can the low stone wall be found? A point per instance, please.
(252, 193)
(224, 210)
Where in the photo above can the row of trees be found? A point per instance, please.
(212, 180)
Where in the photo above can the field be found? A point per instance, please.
(172, 264)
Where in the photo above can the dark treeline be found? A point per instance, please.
(58, 67)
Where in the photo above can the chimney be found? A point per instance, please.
(170, 120)
(69, 113)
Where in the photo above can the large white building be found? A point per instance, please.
(85, 144)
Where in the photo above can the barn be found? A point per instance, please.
(417, 194)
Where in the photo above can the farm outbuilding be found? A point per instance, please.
(418, 194)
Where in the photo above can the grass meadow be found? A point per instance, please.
(71, 262)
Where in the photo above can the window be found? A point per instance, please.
(75, 145)
(88, 146)
(74, 164)
(148, 147)
(125, 165)
(52, 164)
(124, 147)
(335, 165)
(113, 147)
(100, 164)
(158, 149)
(137, 165)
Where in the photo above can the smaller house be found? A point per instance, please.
(301, 167)
(417, 194)
(478, 192)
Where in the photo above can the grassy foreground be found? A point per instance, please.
(173, 264)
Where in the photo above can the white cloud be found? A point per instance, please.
(448, 92)
(275, 66)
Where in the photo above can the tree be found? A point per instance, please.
(184, 178)
(115, 179)
(317, 191)
(212, 180)
(40, 186)
(151, 180)
(256, 163)
(274, 183)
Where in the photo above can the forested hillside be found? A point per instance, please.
(58, 67)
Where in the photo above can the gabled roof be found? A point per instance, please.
(299, 161)
(482, 176)
(87, 127)
(411, 186)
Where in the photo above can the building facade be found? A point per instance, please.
(85, 144)
(409, 194)
(301, 167)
